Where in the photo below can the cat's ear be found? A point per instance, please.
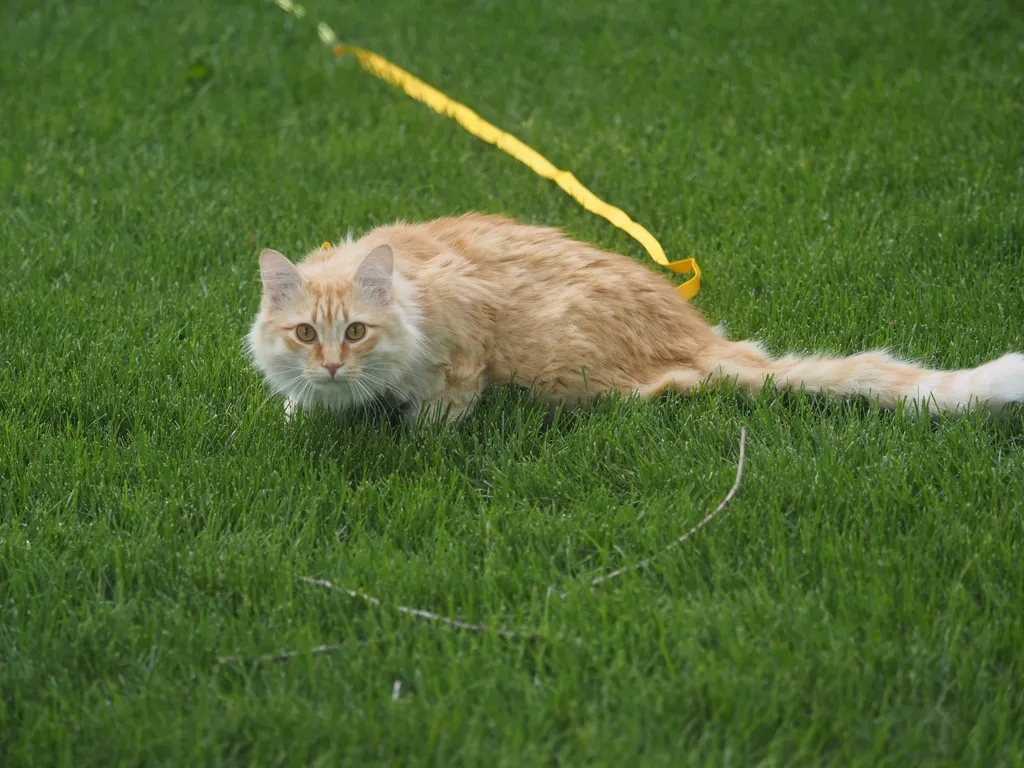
(281, 278)
(375, 275)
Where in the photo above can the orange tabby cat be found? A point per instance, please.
(428, 315)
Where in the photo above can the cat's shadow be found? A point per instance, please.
(504, 414)
(517, 414)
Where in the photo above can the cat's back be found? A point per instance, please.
(543, 261)
(499, 248)
(496, 260)
(488, 238)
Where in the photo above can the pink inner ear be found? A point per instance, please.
(281, 278)
(375, 275)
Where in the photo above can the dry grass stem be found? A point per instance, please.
(711, 516)
(420, 613)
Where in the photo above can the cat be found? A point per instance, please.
(426, 316)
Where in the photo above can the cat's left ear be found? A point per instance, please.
(375, 275)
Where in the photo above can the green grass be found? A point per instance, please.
(848, 175)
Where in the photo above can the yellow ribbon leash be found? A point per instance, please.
(485, 131)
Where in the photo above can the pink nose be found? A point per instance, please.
(332, 368)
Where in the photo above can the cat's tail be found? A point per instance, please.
(875, 375)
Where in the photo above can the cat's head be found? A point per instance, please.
(334, 330)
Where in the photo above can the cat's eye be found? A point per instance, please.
(305, 332)
(355, 331)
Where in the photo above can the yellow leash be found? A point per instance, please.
(485, 131)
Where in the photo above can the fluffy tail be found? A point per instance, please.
(876, 375)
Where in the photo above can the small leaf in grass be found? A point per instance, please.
(198, 72)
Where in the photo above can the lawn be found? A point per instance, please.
(848, 175)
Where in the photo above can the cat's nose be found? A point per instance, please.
(332, 368)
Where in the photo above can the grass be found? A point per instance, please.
(848, 175)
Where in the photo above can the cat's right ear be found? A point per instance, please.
(281, 278)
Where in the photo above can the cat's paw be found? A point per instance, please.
(410, 412)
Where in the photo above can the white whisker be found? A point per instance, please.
(368, 397)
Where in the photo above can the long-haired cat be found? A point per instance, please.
(427, 315)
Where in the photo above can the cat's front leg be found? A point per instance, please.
(446, 408)
(290, 406)
(463, 381)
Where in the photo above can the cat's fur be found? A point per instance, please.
(457, 304)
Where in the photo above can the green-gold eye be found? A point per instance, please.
(306, 333)
(355, 331)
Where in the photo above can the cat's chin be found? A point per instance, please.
(331, 385)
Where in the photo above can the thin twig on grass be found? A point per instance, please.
(724, 503)
(276, 657)
(420, 613)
